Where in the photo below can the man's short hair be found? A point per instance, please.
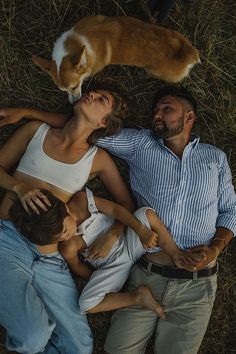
(176, 91)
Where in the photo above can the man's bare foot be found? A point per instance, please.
(144, 298)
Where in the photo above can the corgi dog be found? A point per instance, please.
(97, 41)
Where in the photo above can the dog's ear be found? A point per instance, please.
(79, 60)
(44, 64)
(47, 65)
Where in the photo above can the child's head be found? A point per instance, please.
(44, 228)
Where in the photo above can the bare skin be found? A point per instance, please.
(170, 112)
(173, 121)
(141, 296)
(149, 238)
(67, 145)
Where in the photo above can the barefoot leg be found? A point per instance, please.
(145, 299)
(141, 296)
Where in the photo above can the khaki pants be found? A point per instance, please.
(187, 303)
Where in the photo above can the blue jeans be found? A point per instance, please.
(38, 300)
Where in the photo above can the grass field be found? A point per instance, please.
(31, 26)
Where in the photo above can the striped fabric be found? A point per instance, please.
(192, 196)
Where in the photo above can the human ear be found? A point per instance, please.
(103, 123)
(190, 117)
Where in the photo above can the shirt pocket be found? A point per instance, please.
(205, 182)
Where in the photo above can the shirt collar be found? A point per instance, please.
(193, 143)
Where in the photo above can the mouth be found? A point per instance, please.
(158, 124)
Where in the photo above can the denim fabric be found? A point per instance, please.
(38, 300)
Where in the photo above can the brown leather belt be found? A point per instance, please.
(177, 273)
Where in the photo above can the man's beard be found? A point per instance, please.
(165, 132)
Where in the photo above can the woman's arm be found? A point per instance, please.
(14, 115)
(106, 170)
(109, 174)
(10, 155)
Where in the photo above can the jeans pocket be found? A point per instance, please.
(211, 287)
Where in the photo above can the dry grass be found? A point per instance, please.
(31, 26)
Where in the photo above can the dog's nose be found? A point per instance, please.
(73, 99)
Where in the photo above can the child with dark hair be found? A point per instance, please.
(44, 228)
(93, 217)
(38, 298)
(46, 311)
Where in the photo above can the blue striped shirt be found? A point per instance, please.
(192, 195)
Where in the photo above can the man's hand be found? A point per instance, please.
(10, 116)
(102, 246)
(201, 256)
(183, 260)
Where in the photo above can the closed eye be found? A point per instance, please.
(104, 99)
(75, 87)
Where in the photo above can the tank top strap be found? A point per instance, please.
(91, 202)
(41, 131)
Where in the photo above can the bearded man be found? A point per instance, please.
(189, 185)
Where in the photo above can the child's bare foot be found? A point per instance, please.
(144, 298)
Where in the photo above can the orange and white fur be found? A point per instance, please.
(97, 41)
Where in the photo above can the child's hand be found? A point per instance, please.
(69, 229)
(148, 237)
(101, 247)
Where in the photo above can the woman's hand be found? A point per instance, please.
(10, 116)
(31, 199)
